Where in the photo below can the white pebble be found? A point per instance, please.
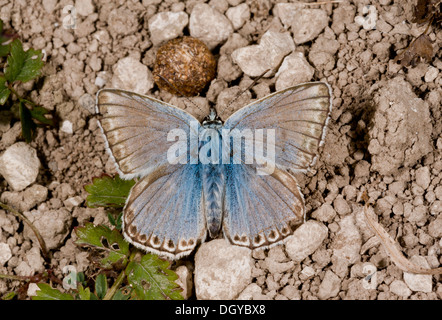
(222, 270)
(295, 69)
(66, 127)
(419, 282)
(238, 15)
(130, 74)
(5, 253)
(167, 25)
(254, 60)
(209, 25)
(19, 165)
(305, 240)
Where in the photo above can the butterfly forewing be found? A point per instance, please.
(299, 116)
(136, 128)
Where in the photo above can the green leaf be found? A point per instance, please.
(46, 292)
(108, 192)
(23, 65)
(111, 241)
(101, 286)
(152, 279)
(27, 125)
(4, 49)
(4, 90)
(116, 222)
(119, 295)
(38, 113)
(84, 293)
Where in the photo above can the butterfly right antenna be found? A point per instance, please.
(241, 92)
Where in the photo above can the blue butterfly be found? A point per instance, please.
(175, 204)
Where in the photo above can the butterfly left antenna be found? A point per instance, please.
(241, 92)
(183, 95)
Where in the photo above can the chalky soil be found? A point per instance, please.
(384, 138)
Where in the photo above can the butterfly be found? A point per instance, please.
(175, 204)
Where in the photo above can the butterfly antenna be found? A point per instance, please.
(241, 92)
(183, 95)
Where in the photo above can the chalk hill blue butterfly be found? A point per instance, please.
(173, 207)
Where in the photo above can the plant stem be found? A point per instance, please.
(110, 293)
(21, 216)
(12, 277)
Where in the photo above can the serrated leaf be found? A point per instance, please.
(101, 286)
(119, 295)
(27, 125)
(46, 292)
(111, 241)
(108, 192)
(152, 279)
(4, 91)
(23, 65)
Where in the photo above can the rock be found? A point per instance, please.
(362, 169)
(132, 75)
(238, 15)
(84, 7)
(184, 281)
(423, 177)
(294, 70)
(401, 134)
(308, 24)
(399, 288)
(291, 292)
(32, 289)
(278, 267)
(431, 74)
(347, 243)
(209, 25)
(32, 263)
(419, 282)
(305, 240)
(435, 227)
(254, 60)
(122, 21)
(330, 286)
(5, 253)
(168, 25)
(251, 292)
(53, 225)
(341, 206)
(322, 60)
(87, 101)
(287, 12)
(222, 271)
(324, 213)
(66, 127)
(305, 24)
(19, 165)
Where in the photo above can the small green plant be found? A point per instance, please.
(132, 274)
(21, 66)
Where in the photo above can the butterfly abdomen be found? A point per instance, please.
(213, 190)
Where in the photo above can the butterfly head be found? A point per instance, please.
(212, 120)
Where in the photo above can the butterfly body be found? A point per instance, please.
(198, 179)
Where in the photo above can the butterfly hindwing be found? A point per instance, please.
(164, 212)
(260, 210)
